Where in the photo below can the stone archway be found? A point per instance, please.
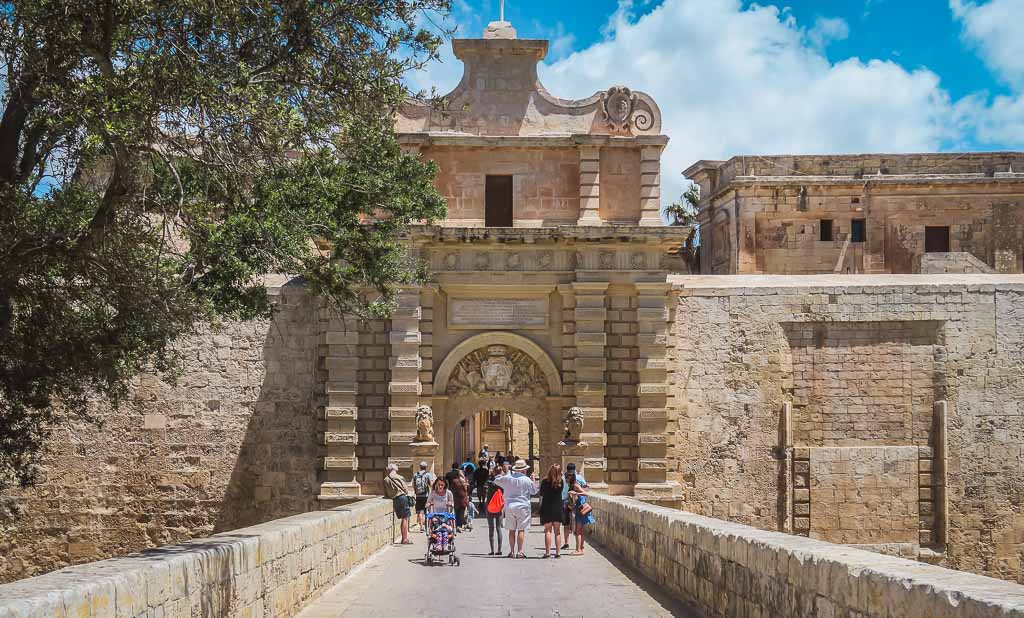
(499, 371)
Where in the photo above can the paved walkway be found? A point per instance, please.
(396, 582)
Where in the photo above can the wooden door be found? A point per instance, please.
(936, 239)
(498, 197)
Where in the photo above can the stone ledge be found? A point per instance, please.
(700, 559)
(273, 569)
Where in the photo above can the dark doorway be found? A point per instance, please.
(858, 230)
(825, 230)
(936, 239)
(498, 209)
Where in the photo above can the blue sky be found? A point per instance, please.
(736, 77)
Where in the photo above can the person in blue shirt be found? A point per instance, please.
(468, 468)
(568, 514)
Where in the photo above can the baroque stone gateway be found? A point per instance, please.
(883, 411)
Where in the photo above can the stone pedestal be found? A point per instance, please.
(424, 451)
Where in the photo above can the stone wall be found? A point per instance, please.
(802, 401)
(727, 569)
(273, 569)
(232, 444)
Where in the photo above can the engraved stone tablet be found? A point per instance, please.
(498, 312)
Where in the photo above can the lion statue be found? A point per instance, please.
(573, 425)
(424, 424)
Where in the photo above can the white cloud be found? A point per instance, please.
(734, 81)
(996, 30)
(731, 81)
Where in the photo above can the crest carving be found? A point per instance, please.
(618, 105)
(497, 371)
(424, 424)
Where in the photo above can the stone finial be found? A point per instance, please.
(500, 30)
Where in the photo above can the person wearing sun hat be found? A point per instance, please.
(518, 489)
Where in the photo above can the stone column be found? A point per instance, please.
(650, 186)
(653, 317)
(404, 388)
(590, 186)
(590, 364)
(339, 341)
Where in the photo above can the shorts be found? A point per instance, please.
(567, 514)
(518, 518)
(421, 504)
(401, 504)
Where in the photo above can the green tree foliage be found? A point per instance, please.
(158, 157)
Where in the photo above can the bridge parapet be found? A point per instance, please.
(728, 569)
(273, 569)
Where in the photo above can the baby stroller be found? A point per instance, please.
(441, 533)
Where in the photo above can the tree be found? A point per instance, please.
(157, 157)
(684, 212)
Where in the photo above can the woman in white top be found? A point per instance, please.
(440, 500)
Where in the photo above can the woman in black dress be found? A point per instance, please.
(551, 508)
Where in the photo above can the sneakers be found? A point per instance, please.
(566, 546)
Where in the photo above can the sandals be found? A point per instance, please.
(546, 556)
(521, 556)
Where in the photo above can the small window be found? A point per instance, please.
(826, 230)
(498, 197)
(936, 239)
(858, 231)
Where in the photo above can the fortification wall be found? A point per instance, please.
(879, 411)
(729, 569)
(273, 569)
(231, 444)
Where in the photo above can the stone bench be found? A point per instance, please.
(273, 569)
(728, 569)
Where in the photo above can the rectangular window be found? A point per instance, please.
(498, 197)
(858, 230)
(494, 419)
(826, 230)
(936, 239)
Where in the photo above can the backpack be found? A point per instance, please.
(497, 502)
(420, 484)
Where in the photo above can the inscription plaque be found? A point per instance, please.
(498, 312)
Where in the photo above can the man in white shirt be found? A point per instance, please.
(517, 489)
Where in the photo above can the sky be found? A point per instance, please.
(734, 77)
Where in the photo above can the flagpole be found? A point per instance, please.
(502, 10)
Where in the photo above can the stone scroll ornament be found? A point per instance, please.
(424, 424)
(498, 371)
(573, 425)
(622, 109)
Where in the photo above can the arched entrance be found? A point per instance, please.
(503, 433)
(499, 373)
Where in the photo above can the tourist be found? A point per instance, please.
(421, 482)
(452, 474)
(569, 513)
(518, 489)
(499, 459)
(484, 452)
(468, 468)
(480, 478)
(460, 489)
(583, 513)
(551, 509)
(440, 499)
(494, 520)
(401, 501)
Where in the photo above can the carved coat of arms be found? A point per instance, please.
(498, 371)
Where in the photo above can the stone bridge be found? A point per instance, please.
(649, 561)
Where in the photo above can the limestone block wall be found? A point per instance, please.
(546, 183)
(273, 569)
(812, 405)
(232, 444)
(728, 569)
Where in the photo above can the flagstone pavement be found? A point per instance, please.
(396, 582)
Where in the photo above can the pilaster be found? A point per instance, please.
(339, 360)
(590, 364)
(590, 186)
(404, 387)
(650, 186)
(653, 316)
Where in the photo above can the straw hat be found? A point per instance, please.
(520, 466)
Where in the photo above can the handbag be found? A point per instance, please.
(585, 509)
(496, 503)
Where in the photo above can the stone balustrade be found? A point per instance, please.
(273, 569)
(727, 569)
